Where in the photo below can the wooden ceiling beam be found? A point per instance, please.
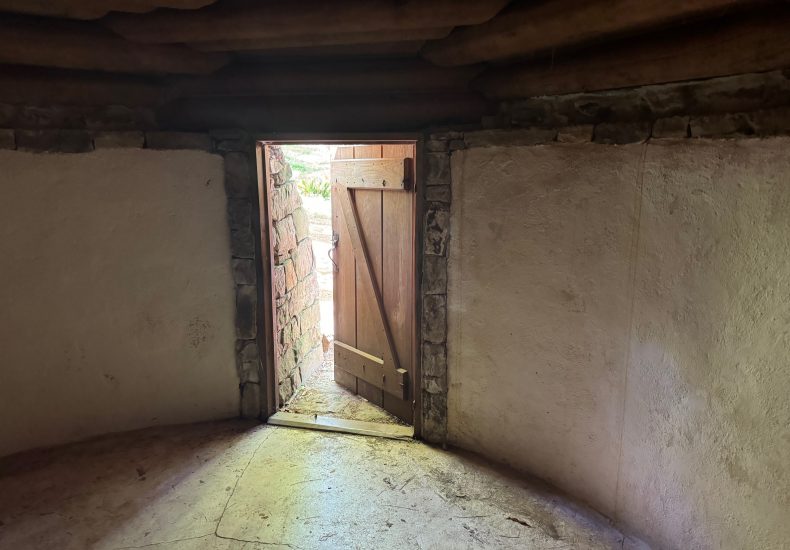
(760, 42)
(94, 9)
(545, 26)
(77, 45)
(35, 86)
(313, 40)
(384, 50)
(271, 79)
(259, 19)
(347, 113)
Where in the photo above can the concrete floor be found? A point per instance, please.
(236, 485)
(321, 395)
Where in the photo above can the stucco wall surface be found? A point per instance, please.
(619, 325)
(116, 303)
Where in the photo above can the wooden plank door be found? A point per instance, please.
(373, 209)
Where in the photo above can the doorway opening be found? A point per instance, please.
(338, 223)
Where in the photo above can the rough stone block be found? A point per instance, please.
(436, 146)
(119, 117)
(285, 200)
(437, 169)
(290, 275)
(434, 385)
(456, 145)
(438, 193)
(311, 317)
(278, 281)
(246, 308)
(434, 417)
(303, 295)
(27, 116)
(282, 317)
(283, 177)
(290, 333)
(239, 213)
(242, 243)
(311, 363)
(247, 350)
(276, 163)
(619, 133)
(296, 378)
(437, 229)
(301, 223)
(434, 319)
(721, 125)
(501, 138)
(285, 240)
(287, 363)
(303, 259)
(240, 176)
(178, 140)
(54, 141)
(249, 371)
(243, 271)
(771, 122)
(448, 135)
(286, 389)
(575, 134)
(250, 400)
(232, 140)
(676, 127)
(305, 344)
(118, 140)
(7, 139)
(434, 359)
(248, 361)
(434, 274)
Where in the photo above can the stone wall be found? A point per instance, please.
(436, 235)
(298, 334)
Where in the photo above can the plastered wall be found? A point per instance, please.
(619, 324)
(117, 300)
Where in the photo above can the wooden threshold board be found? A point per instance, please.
(331, 424)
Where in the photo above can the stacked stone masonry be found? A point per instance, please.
(295, 281)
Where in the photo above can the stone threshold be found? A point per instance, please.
(330, 424)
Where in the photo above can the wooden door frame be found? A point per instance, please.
(268, 358)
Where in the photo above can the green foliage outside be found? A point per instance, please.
(313, 187)
(310, 166)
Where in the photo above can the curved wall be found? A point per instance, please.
(619, 325)
(117, 302)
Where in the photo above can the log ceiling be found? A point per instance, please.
(220, 55)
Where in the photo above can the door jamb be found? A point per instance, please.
(268, 357)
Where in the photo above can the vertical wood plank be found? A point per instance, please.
(344, 280)
(397, 151)
(370, 392)
(397, 254)
(398, 293)
(368, 203)
(387, 225)
(367, 151)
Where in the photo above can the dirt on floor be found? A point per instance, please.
(321, 395)
(238, 486)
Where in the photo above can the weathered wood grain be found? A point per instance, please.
(244, 20)
(543, 26)
(379, 174)
(749, 44)
(80, 45)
